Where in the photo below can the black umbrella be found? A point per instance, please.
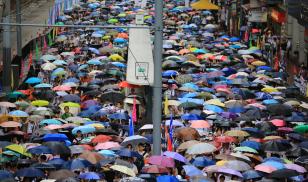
(279, 109)
(71, 98)
(93, 93)
(276, 146)
(297, 152)
(43, 166)
(61, 174)
(58, 148)
(29, 172)
(3, 144)
(283, 173)
(5, 175)
(302, 160)
(112, 96)
(106, 131)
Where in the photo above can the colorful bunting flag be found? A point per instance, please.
(131, 127)
(134, 111)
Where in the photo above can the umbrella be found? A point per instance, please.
(18, 113)
(161, 161)
(44, 166)
(83, 129)
(283, 173)
(5, 174)
(175, 155)
(92, 157)
(101, 139)
(251, 174)
(154, 169)
(107, 145)
(167, 178)
(61, 174)
(18, 149)
(245, 149)
(186, 134)
(251, 144)
(276, 146)
(237, 165)
(229, 171)
(33, 80)
(58, 148)
(76, 164)
(55, 137)
(186, 145)
(40, 103)
(7, 104)
(123, 169)
(191, 170)
(202, 162)
(29, 172)
(40, 150)
(237, 133)
(301, 128)
(10, 124)
(225, 139)
(90, 176)
(134, 140)
(201, 148)
(296, 167)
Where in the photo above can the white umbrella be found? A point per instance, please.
(48, 66)
(201, 148)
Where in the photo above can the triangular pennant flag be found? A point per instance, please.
(37, 51)
(169, 143)
(166, 105)
(131, 127)
(49, 40)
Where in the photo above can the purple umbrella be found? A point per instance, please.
(230, 171)
(161, 161)
(214, 74)
(191, 170)
(229, 115)
(175, 155)
(296, 167)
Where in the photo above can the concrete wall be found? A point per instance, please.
(296, 32)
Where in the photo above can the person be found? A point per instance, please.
(66, 113)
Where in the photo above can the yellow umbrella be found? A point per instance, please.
(123, 169)
(221, 163)
(69, 104)
(205, 5)
(40, 103)
(269, 89)
(258, 63)
(215, 102)
(193, 49)
(97, 125)
(173, 103)
(237, 133)
(292, 103)
(272, 138)
(19, 149)
(116, 57)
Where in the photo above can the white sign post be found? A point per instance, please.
(139, 19)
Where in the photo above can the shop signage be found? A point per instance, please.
(257, 16)
(277, 16)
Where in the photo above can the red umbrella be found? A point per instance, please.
(101, 139)
(62, 88)
(87, 147)
(125, 84)
(278, 122)
(161, 161)
(107, 145)
(154, 169)
(225, 139)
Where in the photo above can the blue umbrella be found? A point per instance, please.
(56, 71)
(120, 40)
(251, 174)
(213, 108)
(59, 62)
(71, 98)
(304, 144)
(166, 178)
(57, 162)
(18, 113)
(191, 85)
(107, 153)
(266, 68)
(83, 129)
(43, 85)
(72, 79)
(191, 170)
(275, 159)
(118, 64)
(236, 109)
(86, 113)
(274, 164)
(100, 113)
(55, 137)
(270, 101)
(5, 175)
(251, 144)
(206, 89)
(76, 164)
(189, 95)
(33, 80)
(94, 50)
(263, 96)
(94, 62)
(90, 176)
(206, 12)
(96, 35)
(235, 46)
(234, 39)
(29, 172)
(202, 162)
(118, 116)
(40, 150)
(228, 71)
(128, 153)
(189, 116)
(170, 73)
(50, 121)
(196, 101)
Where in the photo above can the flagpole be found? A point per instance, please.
(157, 86)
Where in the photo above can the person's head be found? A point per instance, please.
(66, 109)
(78, 133)
(141, 147)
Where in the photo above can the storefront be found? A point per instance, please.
(277, 21)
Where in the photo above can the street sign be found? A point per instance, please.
(142, 69)
(139, 19)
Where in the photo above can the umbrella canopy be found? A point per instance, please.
(124, 170)
(201, 148)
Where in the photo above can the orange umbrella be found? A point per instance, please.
(101, 139)
(92, 157)
(10, 124)
(199, 124)
(125, 84)
(123, 35)
(184, 51)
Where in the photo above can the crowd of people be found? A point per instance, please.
(227, 115)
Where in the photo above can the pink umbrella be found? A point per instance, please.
(68, 125)
(107, 145)
(278, 122)
(285, 129)
(265, 168)
(10, 124)
(62, 88)
(53, 127)
(296, 167)
(199, 124)
(161, 161)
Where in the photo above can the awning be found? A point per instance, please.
(204, 5)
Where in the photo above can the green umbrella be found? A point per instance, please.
(187, 105)
(301, 128)
(246, 149)
(15, 94)
(113, 21)
(115, 72)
